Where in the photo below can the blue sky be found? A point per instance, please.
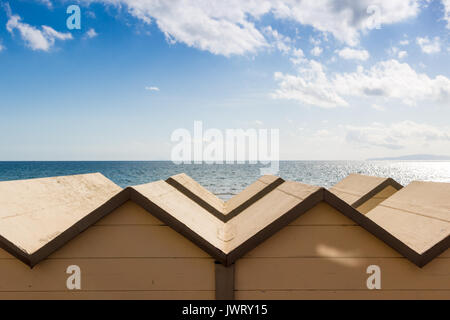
(338, 81)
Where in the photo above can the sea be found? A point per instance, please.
(226, 180)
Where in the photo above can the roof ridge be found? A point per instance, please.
(221, 238)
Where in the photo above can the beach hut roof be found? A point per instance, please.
(356, 189)
(224, 210)
(419, 216)
(35, 212)
(39, 216)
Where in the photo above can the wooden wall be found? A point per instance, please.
(129, 254)
(324, 255)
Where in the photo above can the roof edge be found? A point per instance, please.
(222, 215)
(378, 231)
(301, 208)
(73, 231)
(386, 183)
(176, 225)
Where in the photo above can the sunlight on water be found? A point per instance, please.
(227, 180)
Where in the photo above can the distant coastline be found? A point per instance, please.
(417, 157)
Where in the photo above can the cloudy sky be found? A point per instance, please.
(340, 79)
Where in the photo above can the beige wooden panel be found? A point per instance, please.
(110, 274)
(323, 214)
(129, 241)
(34, 212)
(343, 295)
(249, 192)
(418, 232)
(201, 192)
(355, 186)
(129, 213)
(5, 255)
(338, 273)
(109, 295)
(180, 207)
(323, 241)
(377, 199)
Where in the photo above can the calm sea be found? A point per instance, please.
(227, 180)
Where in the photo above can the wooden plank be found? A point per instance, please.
(109, 295)
(34, 212)
(110, 274)
(196, 191)
(323, 214)
(251, 191)
(129, 213)
(323, 241)
(129, 241)
(343, 295)
(355, 186)
(377, 199)
(418, 232)
(338, 273)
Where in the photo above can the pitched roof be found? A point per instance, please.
(419, 216)
(227, 240)
(224, 210)
(39, 216)
(356, 189)
(33, 213)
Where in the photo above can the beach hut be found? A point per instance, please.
(174, 239)
(85, 224)
(365, 192)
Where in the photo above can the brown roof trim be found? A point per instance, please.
(175, 224)
(228, 259)
(386, 183)
(188, 193)
(218, 214)
(382, 234)
(109, 206)
(274, 227)
(271, 186)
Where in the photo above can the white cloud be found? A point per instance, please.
(298, 56)
(387, 80)
(353, 54)
(152, 88)
(446, 4)
(2, 47)
(279, 41)
(402, 54)
(396, 135)
(48, 3)
(346, 19)
(227, 27)
(34, 38)
(429, 46)
(378, 107)
(311, 87)
(404, 42)
(316, 51)
(91, 33)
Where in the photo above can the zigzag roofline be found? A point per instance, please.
(353, 184)
(313, 196)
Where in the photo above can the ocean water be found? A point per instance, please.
(228, 180)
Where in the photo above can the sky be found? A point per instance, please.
(341, 80)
